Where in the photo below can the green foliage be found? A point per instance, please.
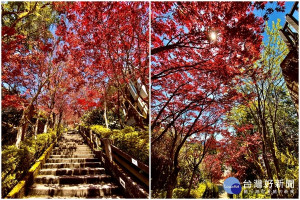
(211, 190)
(96, 117)
(204, 190)
(16, 162)
(133, 142)
(10, 120)
(129, 140)
(199, 192)
(93, 117)
(179, 193)
(101, 131)
(253, 195)
(31, 19)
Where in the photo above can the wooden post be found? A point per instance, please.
(107, 148)
(91, 138)
(286, 38)
(292, 21)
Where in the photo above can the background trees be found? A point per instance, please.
(27, 47)
(266, 128)
(201, 52)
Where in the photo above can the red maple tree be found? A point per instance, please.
(200, 51)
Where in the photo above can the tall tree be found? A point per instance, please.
(26, 46)
(108, 42)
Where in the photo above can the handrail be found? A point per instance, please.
(131, 164)
(141, 165)
(127, 169)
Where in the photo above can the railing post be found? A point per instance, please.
(107, 148)
(91, 138)
(96, 141)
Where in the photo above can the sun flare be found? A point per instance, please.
(213, 36)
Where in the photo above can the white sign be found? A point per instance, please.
(134, 162)
(122, 182)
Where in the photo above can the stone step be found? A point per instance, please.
(73, 156)
(73, 171)
(67, 144)
(86, 179)
(69, 171)
(71, 160)
(71, 139)
(71, 147)
(71, 197)
(71, 165)
(70, 153)
(82, 190)
(72, 144)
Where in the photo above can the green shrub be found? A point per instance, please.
(16, 162)
(242, 195)
(135, 143)
(179, 193)
(199, 192)
(11, 157)
(211, 191)
(101, 131)
(204, 190)
(93, 117)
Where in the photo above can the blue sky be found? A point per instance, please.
(278, 15)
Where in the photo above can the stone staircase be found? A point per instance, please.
(72, 171)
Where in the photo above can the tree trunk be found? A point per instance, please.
(275, 160)
(273, 146)
(27, 113)
(37, 126)
(191, 183)
(21, 133)
(263, 129)
(266, 161)
(119, 105)
(105, 114)
(52, 121)
(46, 126)
(49, 122)
(59, 122)
(172, 182)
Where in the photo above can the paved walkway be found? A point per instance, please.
(222, 193)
